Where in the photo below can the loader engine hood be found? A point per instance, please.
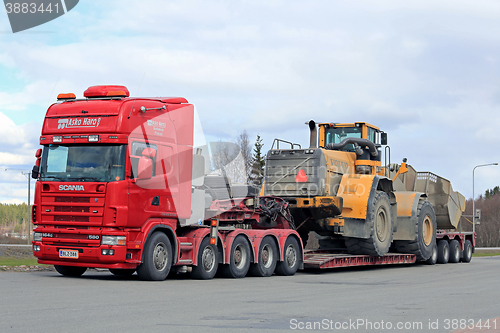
(295, 173)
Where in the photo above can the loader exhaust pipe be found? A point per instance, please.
(313, 141)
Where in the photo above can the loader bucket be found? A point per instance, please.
(448, 204)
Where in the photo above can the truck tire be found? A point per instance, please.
(122, 272)
(467, 255)
(434, 256)
(380, 217)
(425, 238)
(239, 259)
(291, 258)
(70, 270)
(156, 258)
(208, 261)
(267, 259)
(443, 251)
(454, 251)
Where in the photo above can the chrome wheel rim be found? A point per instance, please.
(267, 256)
(290, 256)
(239, 256)
(160, 256)
(208, 259)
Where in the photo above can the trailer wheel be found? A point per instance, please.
(156, 258)
(267, 259)
(208, 261)
(425, 238)
(239, 259)
(434, 256)
(291, 258)
(70, 270)
(122, 272)
(454, 251)
(443, 251)
(381, 220)
(467, 256)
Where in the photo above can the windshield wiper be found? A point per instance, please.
(53, 177)
(85, 179)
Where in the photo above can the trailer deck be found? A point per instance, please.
(325, 259)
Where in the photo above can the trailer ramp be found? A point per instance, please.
(324, 260)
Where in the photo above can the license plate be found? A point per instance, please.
(68, 254)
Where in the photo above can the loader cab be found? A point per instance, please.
(335, 133)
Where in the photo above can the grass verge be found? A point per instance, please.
(6, 261)
(486, 254)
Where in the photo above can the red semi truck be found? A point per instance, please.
(120, 187)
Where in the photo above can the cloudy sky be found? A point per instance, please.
(426, 72)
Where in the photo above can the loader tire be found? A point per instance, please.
(425, 238)
(380, 217)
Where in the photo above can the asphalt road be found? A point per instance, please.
(413, 296)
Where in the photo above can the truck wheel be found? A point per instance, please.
(454, 251)
(467, 256)
(291, 258)
(434, 256)
(443, 251)
(380, 217)
(122, 272)
(239, 259)
(267, 258)
(208, 261)
(156, 258)
(70, 270)
(425, 238)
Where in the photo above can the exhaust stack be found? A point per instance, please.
(313, 141)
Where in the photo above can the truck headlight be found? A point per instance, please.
(37, 236)
(113, 240)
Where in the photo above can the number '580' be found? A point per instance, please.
(32, 8)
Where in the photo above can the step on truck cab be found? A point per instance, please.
(119, 186)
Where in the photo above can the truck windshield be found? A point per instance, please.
(99, 163)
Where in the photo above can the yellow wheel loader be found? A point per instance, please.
(339, 188)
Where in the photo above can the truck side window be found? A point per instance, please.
(136, 153)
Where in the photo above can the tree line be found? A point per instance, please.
(238, 160)
(488, 229)
(14, 221)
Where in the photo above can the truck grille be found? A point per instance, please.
(74, 210)
(60, 218)
(71, 209)
(72, 199)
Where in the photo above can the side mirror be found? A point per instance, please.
(35, 172)
(383, 139)
(145, 168)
